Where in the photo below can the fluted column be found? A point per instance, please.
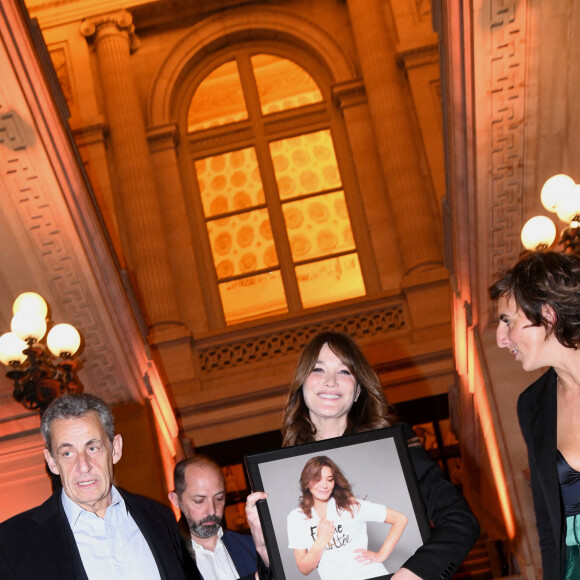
(407, 188)
(114, 40)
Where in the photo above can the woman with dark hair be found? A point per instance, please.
(538, 304)
(371, 410)
(328, 530)
(336, 392)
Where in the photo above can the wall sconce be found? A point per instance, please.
(38, 378)
(560, 195)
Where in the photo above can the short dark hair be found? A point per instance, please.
(541, 279)
(76, 405)
(196, 460)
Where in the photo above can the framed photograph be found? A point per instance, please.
(378, 468)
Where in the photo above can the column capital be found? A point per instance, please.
(122, 21)
(349, 93)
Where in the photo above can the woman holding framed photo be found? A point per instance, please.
(335, 392)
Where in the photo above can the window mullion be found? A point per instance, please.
(264, 159)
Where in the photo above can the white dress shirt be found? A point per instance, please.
(112, 547)
(216, 565)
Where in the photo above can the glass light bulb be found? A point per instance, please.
(554, 189)
(27, 325)
(63, 339)
(538, 231)
(11, 348)
(569, 204)
(30, 302)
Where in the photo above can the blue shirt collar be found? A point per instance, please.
(73, 511)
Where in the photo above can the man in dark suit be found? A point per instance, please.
(200, 494)
(90, 529)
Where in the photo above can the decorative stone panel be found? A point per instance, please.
(506, 129)
(360, 326)
(42, 219)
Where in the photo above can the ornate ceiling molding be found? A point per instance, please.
(53, 237)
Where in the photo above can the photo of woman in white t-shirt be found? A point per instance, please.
(328, 530)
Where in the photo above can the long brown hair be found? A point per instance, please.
(369, 411)
(342, 492)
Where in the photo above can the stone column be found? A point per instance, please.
(397, 139)
(114, 40)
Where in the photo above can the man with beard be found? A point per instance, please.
(200, 494)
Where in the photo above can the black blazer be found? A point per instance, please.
(537, 414)
(455, 528)
(39, 543)
(242, 551)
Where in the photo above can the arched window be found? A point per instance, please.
(260, 136)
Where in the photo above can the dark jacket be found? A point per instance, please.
(537, 413)
(455, 528)
(242, 551)
(39, 543)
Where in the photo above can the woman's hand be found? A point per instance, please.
(324, 532)
(307, 560)
(367, 557)
(398, 522)
(255, 525)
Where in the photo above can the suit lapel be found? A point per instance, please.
(162, 537)
(153, 529)
(231, 549)
(54, 542)
(545, 445)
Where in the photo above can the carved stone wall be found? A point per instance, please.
(291, 342)
(33, 201)
(506, 128)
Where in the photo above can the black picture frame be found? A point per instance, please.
(378, 466)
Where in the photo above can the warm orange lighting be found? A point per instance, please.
(162, 425)
(282, 84)
(167, 428)
(487, 428)
(460, 336)
(168, 450)
(166, 417)
(472, 364)
(218, 100)
(248, 240)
